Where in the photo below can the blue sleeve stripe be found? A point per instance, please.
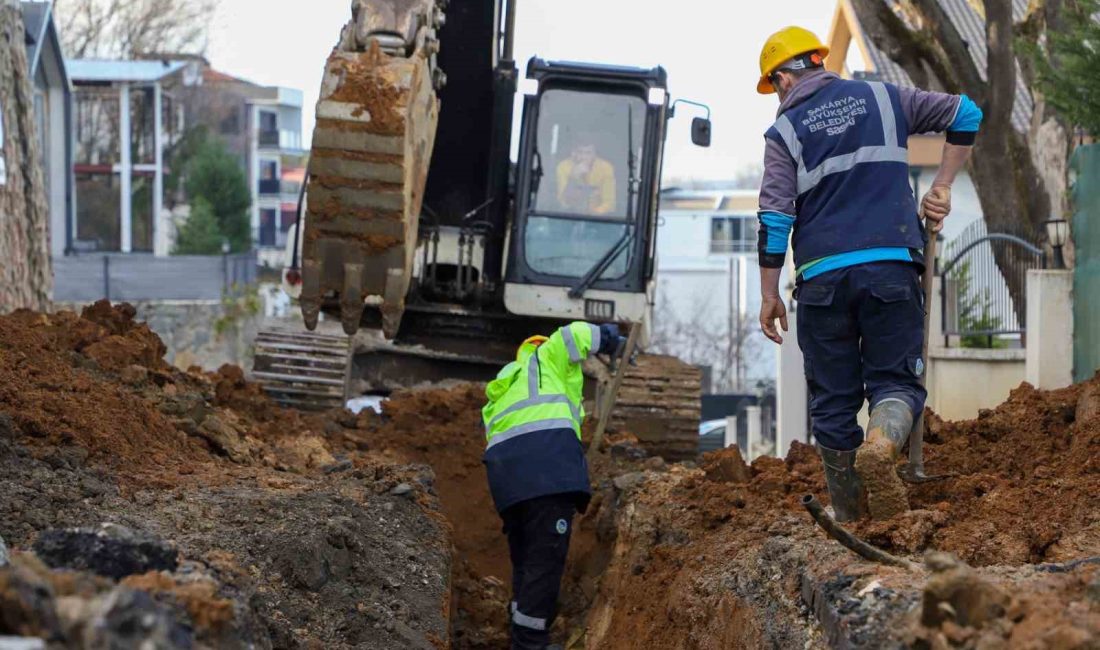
(778, 228)
(967, 117)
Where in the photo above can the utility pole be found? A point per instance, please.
(731, 371)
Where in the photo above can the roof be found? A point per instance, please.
(36, 17)
(42, 33)
(709, 200)
(133, 71)
(971, 26)
(210, 75)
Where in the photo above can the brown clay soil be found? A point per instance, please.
(725, 557)
(286, 539)
(335, 530)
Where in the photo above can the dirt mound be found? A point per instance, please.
(1025, 478)
(725, 557)
(288, 533)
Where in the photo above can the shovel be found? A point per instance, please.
(913, 472)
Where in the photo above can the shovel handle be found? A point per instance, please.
(916, 437)
(613, 391)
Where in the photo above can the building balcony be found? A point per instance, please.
(269, 139)
(281, 139)
(270, 187)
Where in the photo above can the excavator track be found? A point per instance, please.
(659, 403)
(302, 370)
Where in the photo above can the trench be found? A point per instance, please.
(721, 554)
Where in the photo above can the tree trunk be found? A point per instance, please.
(25, 276)
(1019, 178)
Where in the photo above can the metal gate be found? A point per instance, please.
(1086, 269)
(984, 280)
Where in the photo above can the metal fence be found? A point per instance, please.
(984, 279)
(133, 277)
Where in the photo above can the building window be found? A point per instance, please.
(268, 227)
(269, 177)
(269, 129)
(733, 234)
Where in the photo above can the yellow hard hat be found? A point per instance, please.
(535, 340)
(783, 46)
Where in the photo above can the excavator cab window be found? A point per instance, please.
(586, 152)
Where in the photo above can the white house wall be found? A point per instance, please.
(691, 280)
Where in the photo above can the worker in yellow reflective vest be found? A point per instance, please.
(536, 466)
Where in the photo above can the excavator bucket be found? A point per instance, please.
(372, 144)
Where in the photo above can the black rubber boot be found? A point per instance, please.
(891, 419)
(845, 486)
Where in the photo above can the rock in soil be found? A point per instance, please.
(110, 551)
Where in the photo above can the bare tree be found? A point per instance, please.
(134, 29)
(701, 336)
(1020, 177)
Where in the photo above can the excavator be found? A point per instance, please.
(436, 252)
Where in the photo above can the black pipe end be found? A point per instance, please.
(808, 499)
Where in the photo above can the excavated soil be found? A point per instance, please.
(378, 531)
(725, 557)
(1025, 479)
(284, 539)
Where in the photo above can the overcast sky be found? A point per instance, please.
(710, 48)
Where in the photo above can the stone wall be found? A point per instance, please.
(25, 277)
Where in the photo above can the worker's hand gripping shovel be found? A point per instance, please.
(913, 472)
(625, 350)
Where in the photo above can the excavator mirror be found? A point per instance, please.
(700, 132)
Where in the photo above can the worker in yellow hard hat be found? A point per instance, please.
(836, 174)
(789, 49)
(537, 471)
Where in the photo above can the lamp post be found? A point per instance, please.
(1057, 233)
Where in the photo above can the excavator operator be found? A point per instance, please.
(536, 466)
(586, 182)
(836, 171)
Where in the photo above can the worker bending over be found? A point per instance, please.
(836, 171)
(537, 471)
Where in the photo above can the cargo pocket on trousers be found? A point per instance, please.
(815, 295)
(891, 292)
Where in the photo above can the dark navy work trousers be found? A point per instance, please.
(538, 541)
(861, 333)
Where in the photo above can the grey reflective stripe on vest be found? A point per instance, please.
(596, 340)
(790, 138)
(890, 151)
(571, 344)
(847, 161)
(533, 401)
(533, 374)
(530, 427)
(886, 112)
(523, 620)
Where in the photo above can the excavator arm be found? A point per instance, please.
(372, 145)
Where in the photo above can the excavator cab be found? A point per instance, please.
(582, 237)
